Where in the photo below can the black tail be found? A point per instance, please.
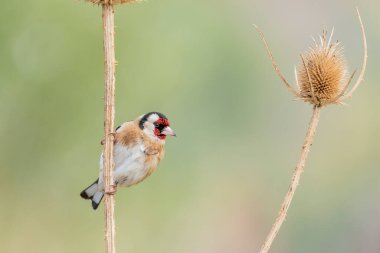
(92, 192)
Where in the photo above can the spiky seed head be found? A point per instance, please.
(112, 1)
(322, 73)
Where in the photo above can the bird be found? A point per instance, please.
(139, 146)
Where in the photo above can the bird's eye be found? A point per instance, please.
(158, 126)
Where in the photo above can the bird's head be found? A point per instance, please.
(155, 125)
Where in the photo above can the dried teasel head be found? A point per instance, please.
(112, 2)
(322, 73)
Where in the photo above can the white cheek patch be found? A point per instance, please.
(149, 129)
(148, 125)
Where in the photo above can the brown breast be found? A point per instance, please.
(130, 134)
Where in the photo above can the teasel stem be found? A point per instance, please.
(109, 115)
(295, 180)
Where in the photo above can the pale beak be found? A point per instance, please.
(168, 131)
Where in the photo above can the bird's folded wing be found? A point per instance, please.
(151, 150)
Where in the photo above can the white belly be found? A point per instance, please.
(130, 167)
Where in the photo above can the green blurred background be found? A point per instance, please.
(239, 130)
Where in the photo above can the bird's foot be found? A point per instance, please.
(102, 142)
(112, 190)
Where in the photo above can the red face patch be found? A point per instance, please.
(159, 135)
(162, 121)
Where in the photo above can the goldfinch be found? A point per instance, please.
(138, 149)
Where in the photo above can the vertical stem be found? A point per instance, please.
(295, 180)
(109, 113)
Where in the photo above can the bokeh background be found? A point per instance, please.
(239, 130)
